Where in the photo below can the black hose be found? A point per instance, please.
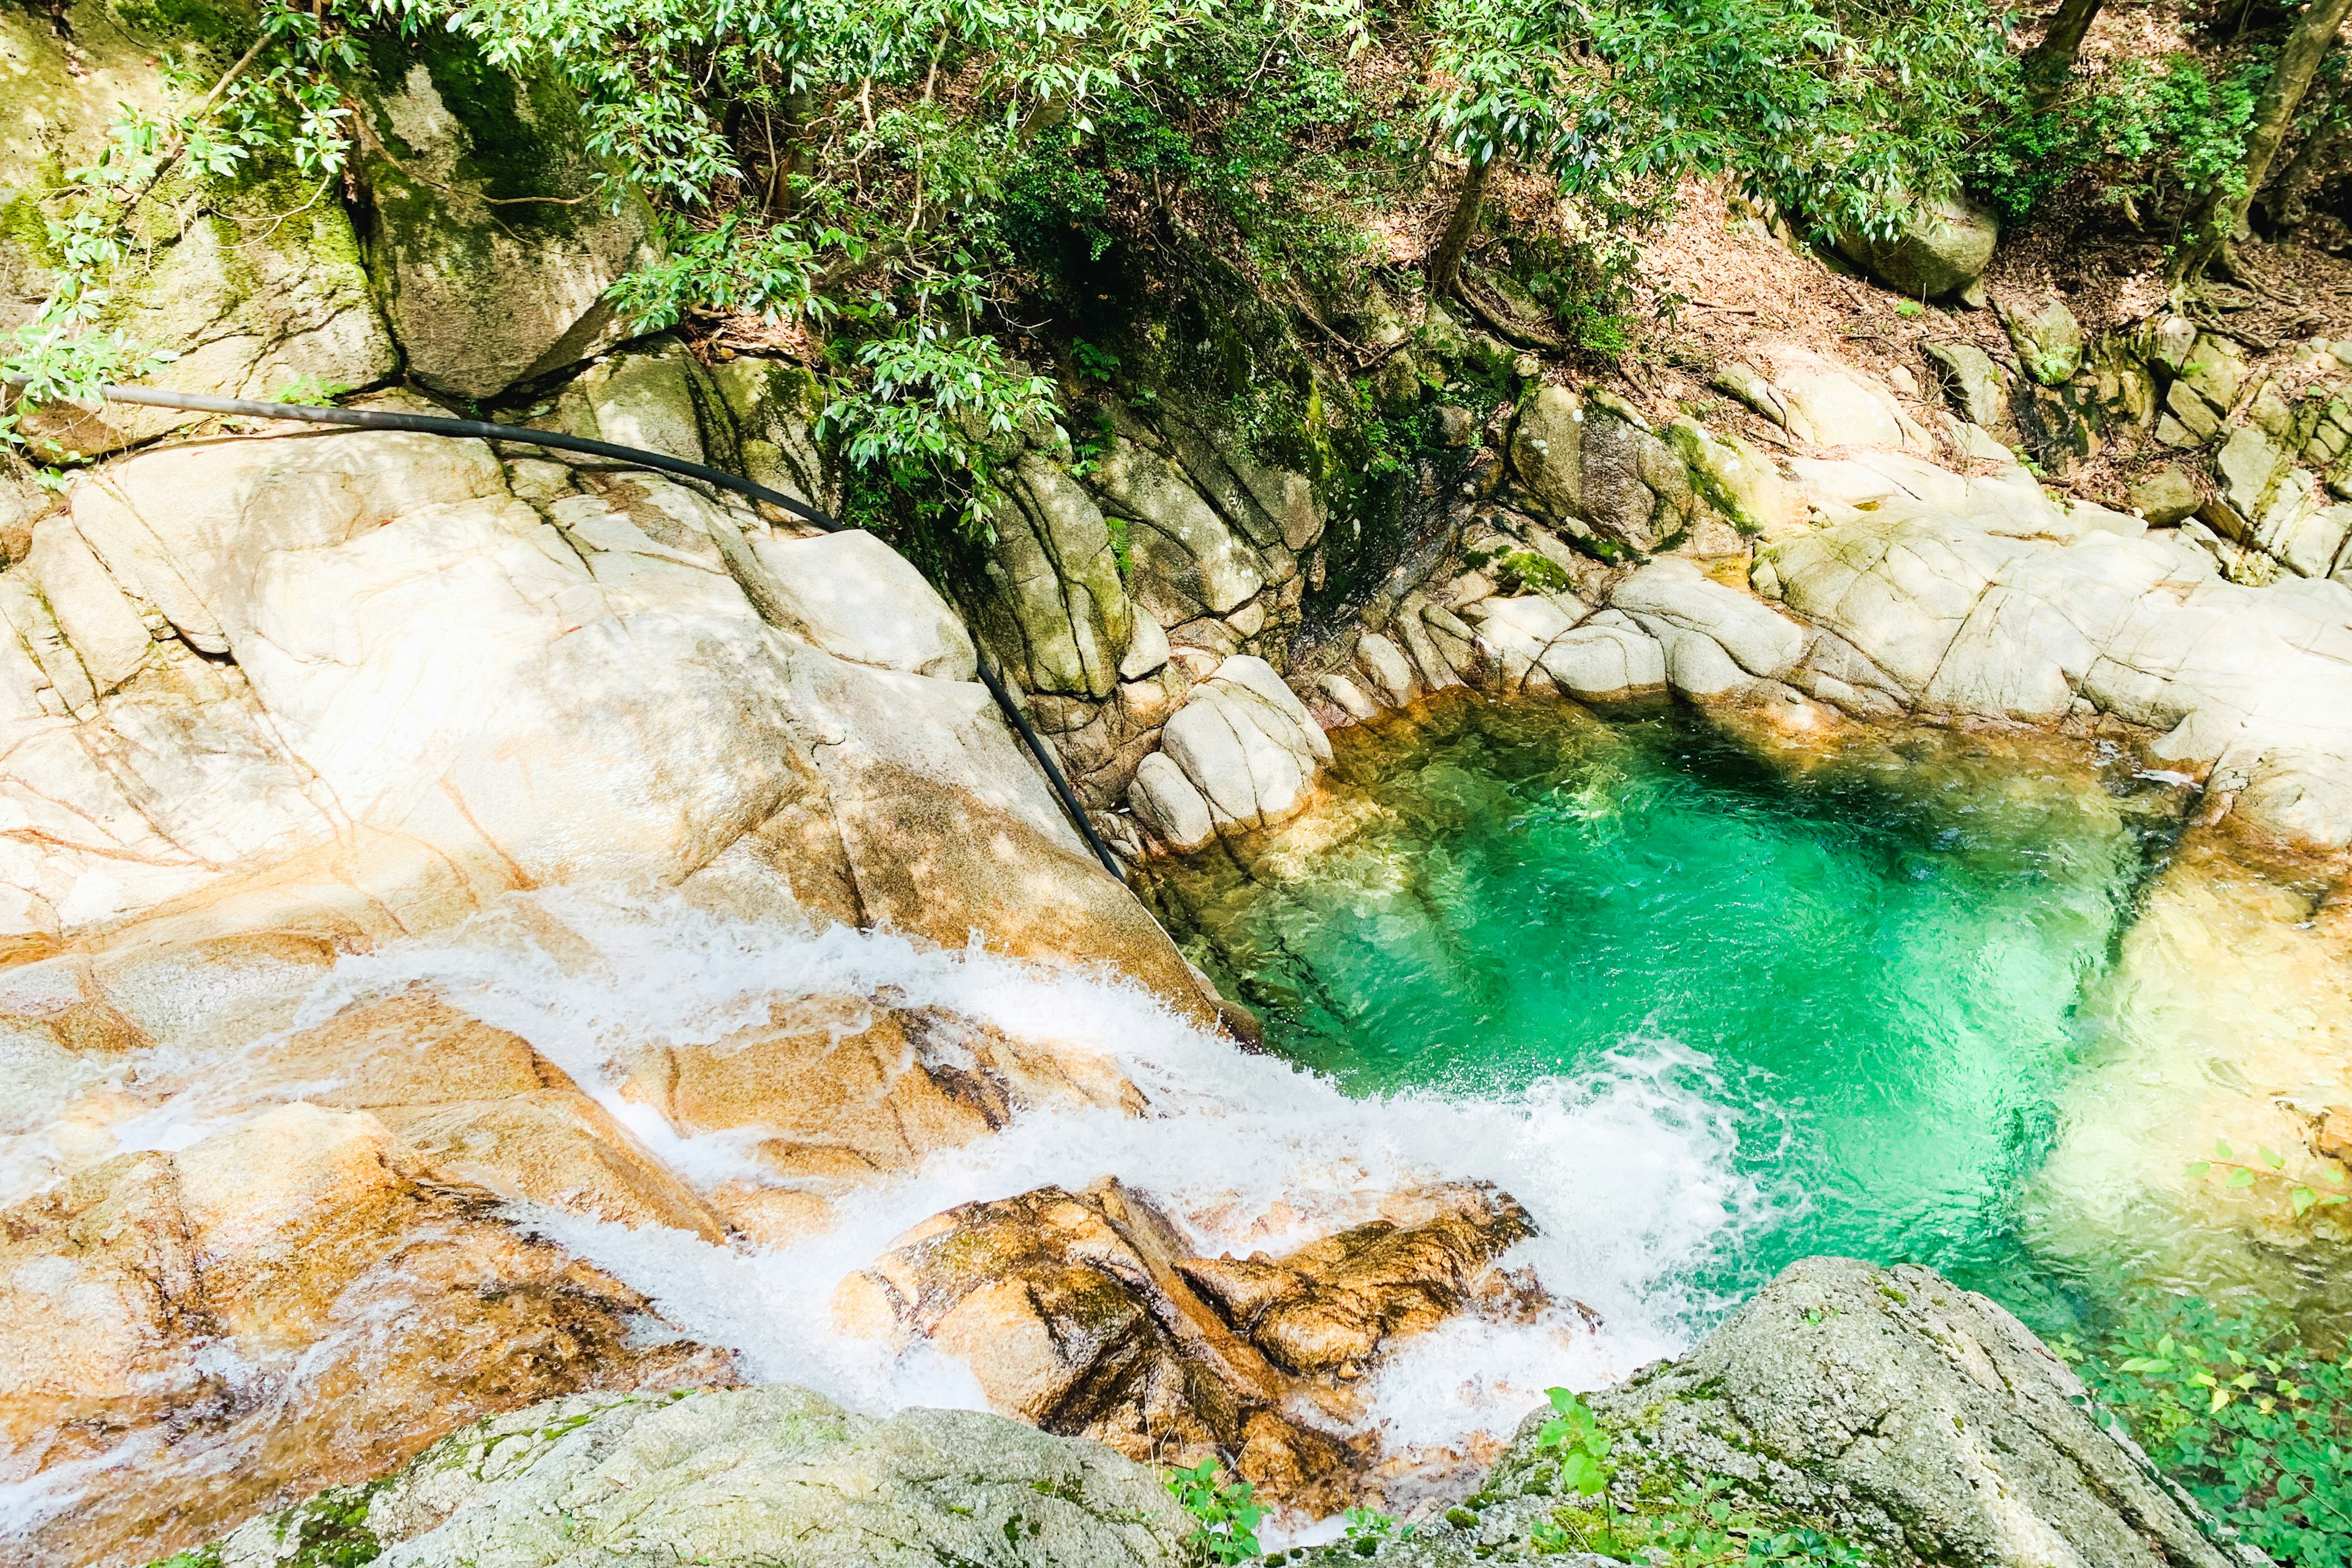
(636, 458)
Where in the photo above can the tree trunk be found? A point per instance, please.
(2283, 203)
(2213, 229)
(2052, 64)
(1445, 265)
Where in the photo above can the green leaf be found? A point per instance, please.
(2302, 1198)
(2198, 1169)
(2273, 1159)
(2241, 1177)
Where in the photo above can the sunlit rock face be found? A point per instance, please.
(355, 683)
(271, 704)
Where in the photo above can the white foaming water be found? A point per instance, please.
(1627, 1170)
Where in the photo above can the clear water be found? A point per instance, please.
(1872, 960)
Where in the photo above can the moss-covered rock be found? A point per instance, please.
(1941, 253)
(732, 1479)
(253, 279)
(1887, 1409)
(487, 237)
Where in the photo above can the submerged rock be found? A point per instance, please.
(1886, 1406)
(738, 1479)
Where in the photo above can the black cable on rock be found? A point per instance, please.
(636, 458)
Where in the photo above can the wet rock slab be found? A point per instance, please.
(1086, 1313)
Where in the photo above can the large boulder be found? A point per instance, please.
(1941, 252)
(1637, 494)
(1594, 464)
(1547, 451)
(381, 687)
(1736, 479)
(1538, 640)
(254, 278)
(738, 1478)
(1187, 562)
(1247, 744)
(2251, 684)
(492, 246)
(1057, 609)
(775, 406)
(1822, 399)
(1976, 385)
(1918, 1421)
(1673, 600)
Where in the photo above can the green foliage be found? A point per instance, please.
(2163, 132)
(328, 1531)
(286, 99)
(1367, 1528)
(1246, 138)
(1838, 112)
(309, 391)
(1228, 1512)
(2302, 1198)
(1523, 570)
(929, 419)
(2244, 1411)
(1684, 1524)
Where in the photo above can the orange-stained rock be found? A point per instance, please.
(485, 1107)
(1327, 1309)
(408, 1048)
(558, 1147)
(1074, 1311)
(846, 1092)
(299, 1302)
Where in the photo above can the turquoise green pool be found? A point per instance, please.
(1874, 960)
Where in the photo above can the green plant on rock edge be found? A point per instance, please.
(1228, 1511)
(1684, 1524)
(2244, 1411)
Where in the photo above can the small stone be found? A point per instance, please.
(1455, 427)
(2165, 496)
(2048, 340)
(1348, 696)
(1978, 387)
(1386, 664)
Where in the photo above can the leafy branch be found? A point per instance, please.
(2301, 1197)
